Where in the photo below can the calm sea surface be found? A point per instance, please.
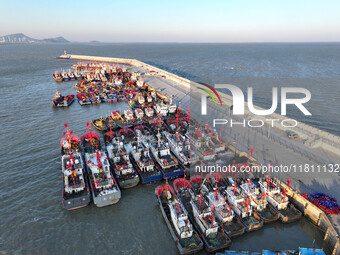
(32, 220)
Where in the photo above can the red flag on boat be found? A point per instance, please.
(65, 125)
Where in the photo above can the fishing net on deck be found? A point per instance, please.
(325, 202)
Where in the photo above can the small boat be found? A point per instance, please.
(57, 77)
(202, 217)
(122, 168)
(161, 154)
(62, 101)
(148, 171)
(279, 200)
(176, 218)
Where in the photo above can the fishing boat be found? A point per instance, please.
(128, 115)
(117, 119)
(76, 193)
(57, 77)
(172, 107)
(78, 75)
(105, 190)
(83, 99)
(101, 124)
(149, 112)
(242, 207)
(176, 218)
(161, 154)
(264, 210)
(148, 171)
(122, 168)
(202, 217)
(140, 84)
(65, 76)
(140, 98)
(279, 200)
(69, 143)
(180, 146)
(139, 113)
(72, 76)
(149, 98)
(223, 210)
(62, 101)
(202, 144)
(161, 108)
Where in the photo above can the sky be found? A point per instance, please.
(174, 20)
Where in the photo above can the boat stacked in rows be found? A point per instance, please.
(220, 208)
(176, 218)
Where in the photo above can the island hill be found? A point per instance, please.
(21, 38)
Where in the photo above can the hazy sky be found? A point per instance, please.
(174, 21)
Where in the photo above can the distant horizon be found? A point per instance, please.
(176, 42)
(190, 21)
